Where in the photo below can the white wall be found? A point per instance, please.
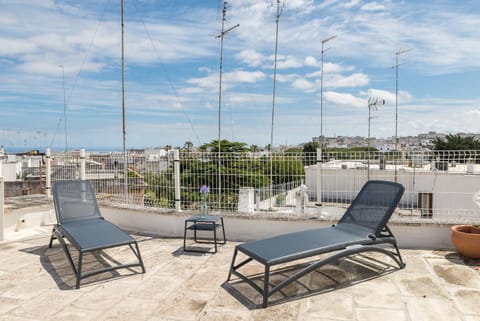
(238, 228)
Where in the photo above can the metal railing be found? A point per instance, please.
(440, 184)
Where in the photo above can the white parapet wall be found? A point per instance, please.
(238, 227)
(2, 212)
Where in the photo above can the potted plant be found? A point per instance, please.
(466, 239)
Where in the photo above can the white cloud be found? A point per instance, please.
(304, 84)
(12, 47)
(311, 61)
(344, 100)
(251, 57)
(242, 76)
(339, 81)
(373, 6)
(352, 3)
(229, 79)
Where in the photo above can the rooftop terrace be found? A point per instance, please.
(36, 283)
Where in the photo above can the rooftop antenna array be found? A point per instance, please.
(221, 36)
(277, 20)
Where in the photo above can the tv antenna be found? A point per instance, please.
(221, 36)
(372, 106)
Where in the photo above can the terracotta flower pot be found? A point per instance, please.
(466, 241)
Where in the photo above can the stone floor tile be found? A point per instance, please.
(420, 285)
(380, 293)
(37, 283)
(223, 315)
(457, 274)
(45, 304)
(415, 264)
(425, 309)
(129, 309)
(100, 296)
(11, 317)
(183, 305)
(8, 304)
(369, 314)
(157, 287)
(468, 301)
(72, 313)
(289, 311)
(336, 305)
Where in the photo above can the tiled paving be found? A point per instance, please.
(36, 283)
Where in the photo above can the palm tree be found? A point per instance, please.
(188, 145)
(456, 142)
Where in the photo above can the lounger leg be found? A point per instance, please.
(139, 256)
(185, 235)
(215, 237)
(51, 238)
(223, 230)
(401, 263)
(65, 250)
(266, 285)
(79, 269)
(233, 264)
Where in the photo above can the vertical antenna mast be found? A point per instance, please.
(64, 108)
(124, 131)
(397, 54)
(221, 36)
(277, 20)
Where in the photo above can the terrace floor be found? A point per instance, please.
(36, 283)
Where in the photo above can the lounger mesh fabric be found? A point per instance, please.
(79, 221)
(361, 229)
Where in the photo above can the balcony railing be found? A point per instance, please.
(440, 184)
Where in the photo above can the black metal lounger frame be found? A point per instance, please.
(59, 232)
(369, 243)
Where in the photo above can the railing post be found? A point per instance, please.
(176, 170)
(48, 172)
(319, 176)
(82, 164)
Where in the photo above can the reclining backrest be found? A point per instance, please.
(374, 205)
(74, 200)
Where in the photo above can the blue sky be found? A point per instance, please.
(172, 70)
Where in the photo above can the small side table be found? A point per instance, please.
(203, 223)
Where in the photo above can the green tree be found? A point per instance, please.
(456, 142)
(225, 146)
(188, 145)
(310, 147)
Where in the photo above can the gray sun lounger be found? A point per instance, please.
(363, 228)
(80, 222)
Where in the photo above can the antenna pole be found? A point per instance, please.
(321, 138)
(64, 108)
(397, 54)
(124, 131)
(372, 105)
(277, 20)
(324, 41)
(221, 36)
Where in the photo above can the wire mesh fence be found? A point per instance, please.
(438, 184)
